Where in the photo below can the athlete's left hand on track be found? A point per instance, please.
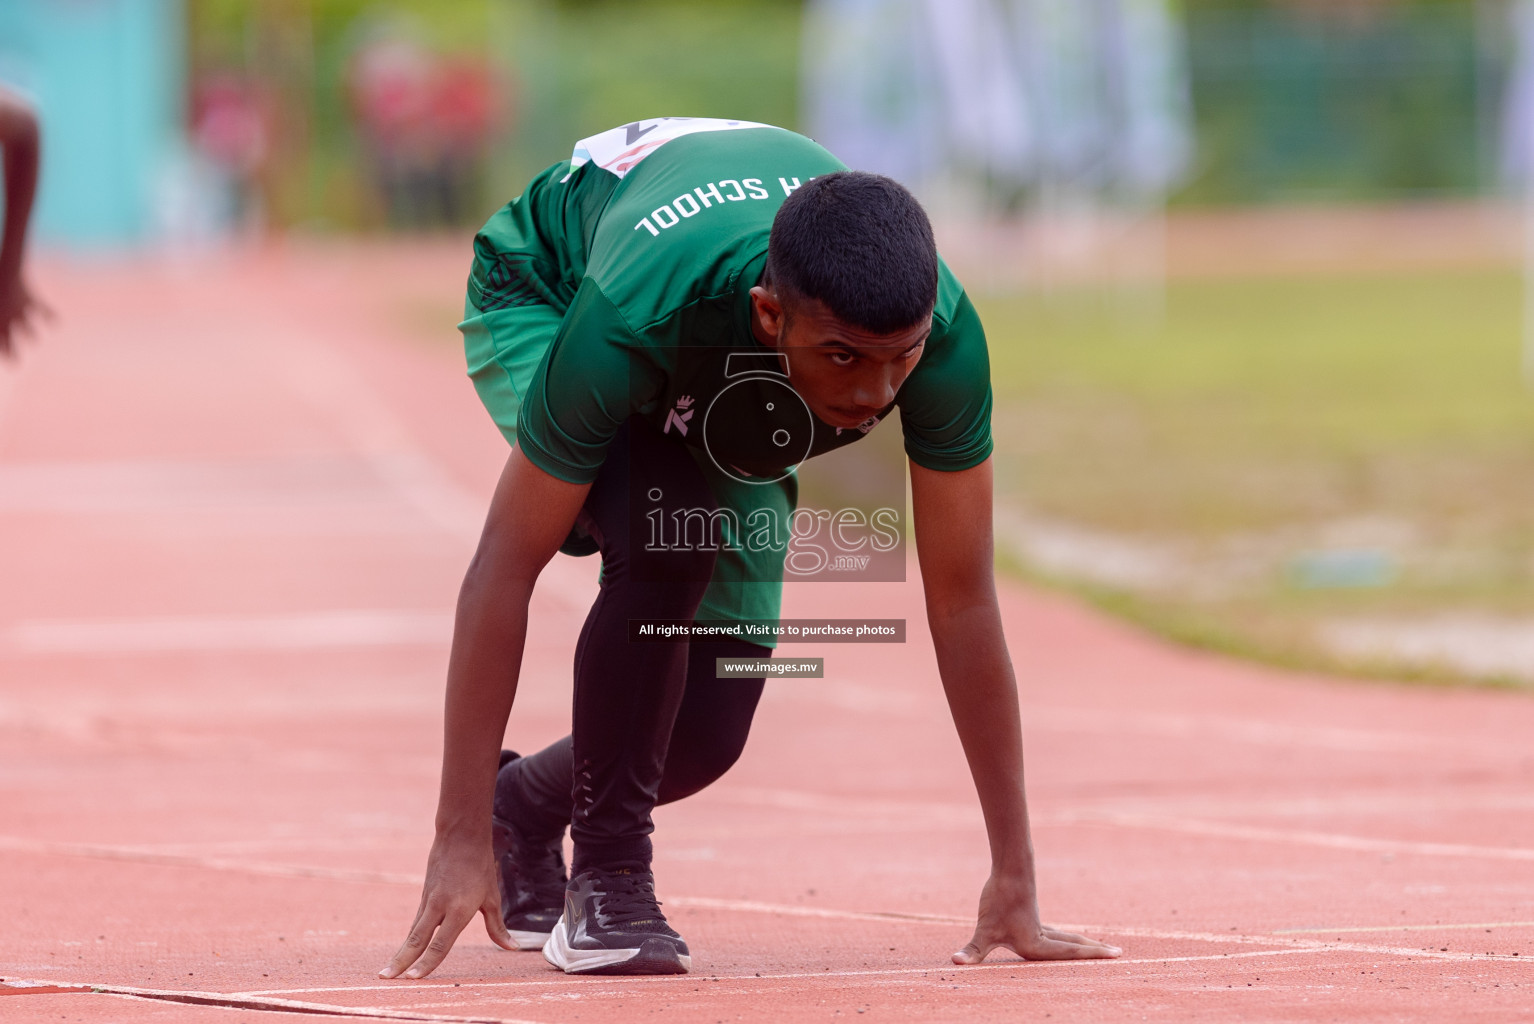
(461, 881)
(1009, 919)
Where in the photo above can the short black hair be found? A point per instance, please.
(861, 245)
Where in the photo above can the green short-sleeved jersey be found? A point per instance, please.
(618, 285)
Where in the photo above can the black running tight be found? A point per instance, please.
(650, 722)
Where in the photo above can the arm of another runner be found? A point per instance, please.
(954, 547)
(530, 516)
(20, 138)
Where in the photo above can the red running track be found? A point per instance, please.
(237, 493)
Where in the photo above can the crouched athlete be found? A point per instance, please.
(664, 326)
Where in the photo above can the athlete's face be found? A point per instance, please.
(844, 374)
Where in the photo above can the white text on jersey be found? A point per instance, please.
(705, 197)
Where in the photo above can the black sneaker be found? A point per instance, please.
(612, 924)
(532, 880)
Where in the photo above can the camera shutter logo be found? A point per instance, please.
(757, 429)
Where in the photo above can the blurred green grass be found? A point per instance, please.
(1250, 424)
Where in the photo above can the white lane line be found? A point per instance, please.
(1406, 928)
(331, 382)
(1285, 947)
(967, 813)
(911, 811)
(1233, 938)
(150, 855)
(245, 1001)
(1331, 840)
(1276, 938)
(740, 906)
(1306, 949)
(1360, 803)
(946, 972)
(273, 998)
(860, 814)
(308, 484)
(790, 910)
(888, 972)
(337, 391)
(296, 632)
(1256, 732)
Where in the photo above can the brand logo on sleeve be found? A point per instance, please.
(679, 416)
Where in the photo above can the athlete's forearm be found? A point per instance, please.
(954, 545)
(461, 876)
(20, 139)
(530, 515)
(982, 697)
(488, 638)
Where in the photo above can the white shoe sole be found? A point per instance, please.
(529, 941)
(558, 951)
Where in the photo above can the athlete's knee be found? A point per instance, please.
(695, 765)
(718, 757)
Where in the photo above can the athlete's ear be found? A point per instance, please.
(767, 317)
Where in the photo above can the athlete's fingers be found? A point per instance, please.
(426, 920)
(441, 944)
(1045, 947)
(1065, 936)
(1053, 949)
(1098, 950)
(495, 924)
(975, 952)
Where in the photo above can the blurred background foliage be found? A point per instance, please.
(1352, 102)
(563, 71)
(1291, 100)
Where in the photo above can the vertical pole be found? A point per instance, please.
(1513, 20)
(1528, 277)
(1518, 136)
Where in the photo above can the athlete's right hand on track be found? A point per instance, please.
(461, 881)
(1009, 918)
(19, 312)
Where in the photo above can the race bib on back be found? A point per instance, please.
(620, 149)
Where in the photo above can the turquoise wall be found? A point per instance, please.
(107, 77)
